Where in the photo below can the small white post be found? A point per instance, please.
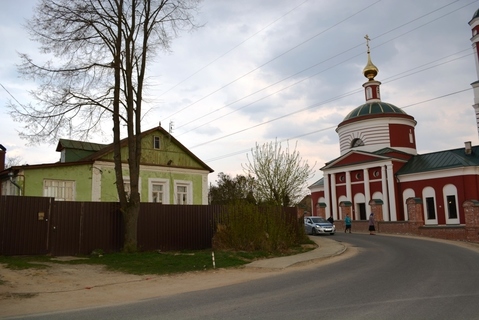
(213, 257)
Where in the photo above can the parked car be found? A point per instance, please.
(318, 225)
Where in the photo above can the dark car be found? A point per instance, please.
(318, 225)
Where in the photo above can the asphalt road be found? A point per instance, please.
(390, 278)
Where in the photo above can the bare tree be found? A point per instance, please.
(281, 175)
(100, 51)
(13, 161)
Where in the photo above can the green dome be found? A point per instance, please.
(476, 14)
(374, 108)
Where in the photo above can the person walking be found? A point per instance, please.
(330, 219)
(371, 224)
(347, 222)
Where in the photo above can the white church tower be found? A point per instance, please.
(474, 23)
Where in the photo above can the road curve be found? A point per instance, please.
(390, 278)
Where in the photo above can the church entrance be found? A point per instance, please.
(362, 211)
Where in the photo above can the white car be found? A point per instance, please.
(318, 225)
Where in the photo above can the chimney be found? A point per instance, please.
(3, 151)
(467, 147)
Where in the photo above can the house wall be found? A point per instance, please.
(108, 191)
(169, 154)
(81, 174)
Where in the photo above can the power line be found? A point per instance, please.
(269, 61)
(328, 59)
(332, 127)
(232, 49)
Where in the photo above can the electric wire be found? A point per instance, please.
(312, 66)
(269, 61)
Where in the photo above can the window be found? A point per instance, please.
(357, 143)
(450, 204)
(61, 190)
(376, 173)
(341, 178)
(158, 191)
(451, 207)
(181, 195)
(369, 93)
(430, 208)
(183, 192)
(156, 142)
(127, 186)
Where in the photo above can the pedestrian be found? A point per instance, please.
(330, 219)
(371, 224)
(347, 222)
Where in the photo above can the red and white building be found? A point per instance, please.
(379, 163)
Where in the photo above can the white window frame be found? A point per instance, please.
(53, 191)
(429, 192)
(166, 189)
(126, 185)
(450, 190)
(189, 190)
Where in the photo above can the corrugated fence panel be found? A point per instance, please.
(24, 225)
(176, 227)
(102, 227)
(38, 225)
(65, 228)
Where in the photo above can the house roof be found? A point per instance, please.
(446, 159)
(81, 145)
(109, 148)
(318, 183)
(98, 150)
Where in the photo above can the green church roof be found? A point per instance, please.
(374, 108)
(447, 159)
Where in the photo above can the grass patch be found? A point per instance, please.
(159, 263)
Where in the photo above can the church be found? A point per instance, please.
(379, 164)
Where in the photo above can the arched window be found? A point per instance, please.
(429, 205)
(450, 204)
(357, 143)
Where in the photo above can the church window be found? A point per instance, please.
(376, 173)
(358, 176)
(357, 143)
(369, 93)
(451, 207)
(431, 208)
(341, 178)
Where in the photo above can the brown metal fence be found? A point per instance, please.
(39, 225)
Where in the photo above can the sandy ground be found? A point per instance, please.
(67, 287)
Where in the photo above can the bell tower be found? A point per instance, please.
(371, 87)
(474, 23)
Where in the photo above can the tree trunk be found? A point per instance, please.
(130, 220)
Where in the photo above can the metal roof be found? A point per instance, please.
(79, 145)
(447, 159)
(374, 108)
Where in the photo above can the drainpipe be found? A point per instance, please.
(10, 175)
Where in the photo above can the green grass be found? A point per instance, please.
(153, 262)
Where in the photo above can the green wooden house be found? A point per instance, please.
(169, 173)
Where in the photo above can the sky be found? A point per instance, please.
(284, 70)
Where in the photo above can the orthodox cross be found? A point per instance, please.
(367, 41)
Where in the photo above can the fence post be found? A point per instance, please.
(471, 215)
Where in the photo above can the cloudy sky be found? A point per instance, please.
(288, 70)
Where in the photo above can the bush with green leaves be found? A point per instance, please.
(248, 227)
